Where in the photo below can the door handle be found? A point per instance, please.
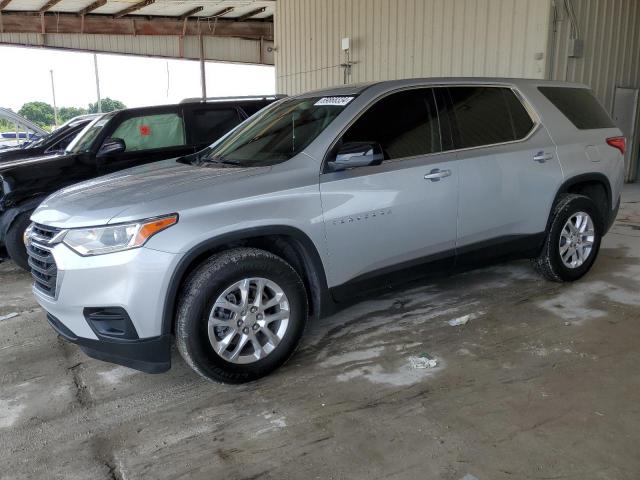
(436, 174)
(542, 157)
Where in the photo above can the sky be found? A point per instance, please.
(136, 81)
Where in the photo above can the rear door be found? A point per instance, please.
(508, 167)
(402, 212)
(149, 136)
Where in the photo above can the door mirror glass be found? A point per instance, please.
(111, 146)
(357, 154)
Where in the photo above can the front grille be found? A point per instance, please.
(43, 266)
(44, 232)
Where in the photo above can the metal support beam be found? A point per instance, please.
(190, 13)
(250, 14)
(92, 7)
(220, 13)
(48, 5)
(133, 8)
(31, 22)
(203, 75)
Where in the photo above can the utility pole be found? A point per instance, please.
(95, 65)
(55, 107)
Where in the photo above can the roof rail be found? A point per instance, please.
(238, 98)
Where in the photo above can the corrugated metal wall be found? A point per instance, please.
(225, 49)
(408, 38)
(611, 33)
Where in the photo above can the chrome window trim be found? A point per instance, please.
(533, 115)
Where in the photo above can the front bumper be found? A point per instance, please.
(135, 281)
(149, 355)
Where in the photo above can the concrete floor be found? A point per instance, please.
(542, 382)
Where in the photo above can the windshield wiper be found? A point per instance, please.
(220, 159)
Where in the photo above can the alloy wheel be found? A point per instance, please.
(576, 240)
(248, 320)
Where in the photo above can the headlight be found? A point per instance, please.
(115, 238)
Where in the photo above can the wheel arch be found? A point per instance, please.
(8, 216)
(289, 243)
(584, 184)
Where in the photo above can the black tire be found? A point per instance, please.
(14, 240)
(200, 292)
(549, 263)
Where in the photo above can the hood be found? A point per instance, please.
(97, 201)
(9, 162)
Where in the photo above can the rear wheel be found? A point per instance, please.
(573, 241)
(14, 240)
(241, 315)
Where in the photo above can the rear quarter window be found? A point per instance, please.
(579, 105)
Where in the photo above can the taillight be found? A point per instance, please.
(618, 142)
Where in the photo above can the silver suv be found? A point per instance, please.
(317, 199)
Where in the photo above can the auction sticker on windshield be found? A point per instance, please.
(339, 101)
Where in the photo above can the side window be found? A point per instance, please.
(487, 115)
(209, 125)
(520, 119)
(405, 124)
(579, 106)
(151, 132)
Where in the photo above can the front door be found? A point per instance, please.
(394, 215)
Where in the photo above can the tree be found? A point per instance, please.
(108, 105)
(38, 112)
(67, 113)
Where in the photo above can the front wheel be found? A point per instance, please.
(573, 241)
(240, 315)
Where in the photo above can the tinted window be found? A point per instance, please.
(150, 132)
(404, 124)
(520, 120)
(487, 115)
(579, 106)
(209, 125)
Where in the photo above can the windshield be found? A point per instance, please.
(39, 141)
(277, 133)
(84, 140)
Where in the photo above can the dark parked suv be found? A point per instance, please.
(112, 142)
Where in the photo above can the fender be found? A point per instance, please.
(312, 263)
(8, 216)
(582, 178)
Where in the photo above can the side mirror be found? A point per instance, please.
(110, 146)
(357, 154)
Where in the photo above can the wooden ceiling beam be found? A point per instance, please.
(30, 22)
(91, 7)
(4, 3)
(133, 8)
